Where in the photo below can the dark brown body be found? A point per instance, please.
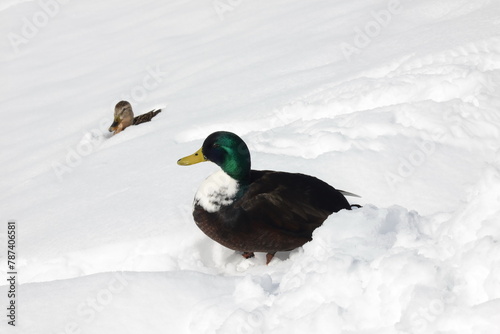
(277, 211)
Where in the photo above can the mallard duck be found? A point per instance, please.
(124, 117)
(257, 211)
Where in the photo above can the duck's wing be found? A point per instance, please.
(295, 204)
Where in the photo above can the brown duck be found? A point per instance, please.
(258, 211)
(124, 117)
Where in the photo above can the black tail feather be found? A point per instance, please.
(146, 117)
(346, 193)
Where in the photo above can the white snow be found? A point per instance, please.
(397, 101)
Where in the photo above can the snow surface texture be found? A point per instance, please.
(398, 102)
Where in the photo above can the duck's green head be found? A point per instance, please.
(225, 149)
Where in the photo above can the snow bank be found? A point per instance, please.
(368, 271)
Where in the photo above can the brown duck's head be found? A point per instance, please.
(124, 116)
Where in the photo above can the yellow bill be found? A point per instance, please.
(192, 159)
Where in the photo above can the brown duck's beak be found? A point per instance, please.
(192, 159)
(113, 126)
